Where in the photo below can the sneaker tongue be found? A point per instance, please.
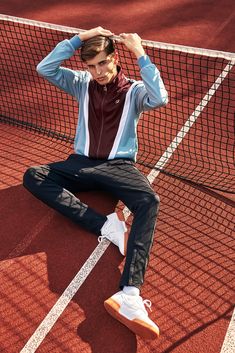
(136, 302)
(131, 290)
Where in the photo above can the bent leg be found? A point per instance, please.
(54, 184)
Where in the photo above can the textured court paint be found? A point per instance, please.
(53, 315)
(22, 246)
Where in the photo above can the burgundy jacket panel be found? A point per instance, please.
(105, 109)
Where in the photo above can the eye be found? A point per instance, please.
(103, 62)
(90, 67)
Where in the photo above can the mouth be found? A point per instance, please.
(101, 79)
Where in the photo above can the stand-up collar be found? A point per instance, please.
(118, 81)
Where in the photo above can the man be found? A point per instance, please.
(105, 152)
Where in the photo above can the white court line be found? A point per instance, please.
(229, 341)
(53, 315)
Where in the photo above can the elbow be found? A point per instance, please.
(164, 101)
(39, 69)
(45, 70)
(160, 102)
(161, 99)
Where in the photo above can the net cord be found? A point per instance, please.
(147, 43)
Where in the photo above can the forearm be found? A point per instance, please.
(51, 69)
(153, 93)
(51, 63)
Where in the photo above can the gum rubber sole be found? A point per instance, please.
(126, 236)
(139, 327)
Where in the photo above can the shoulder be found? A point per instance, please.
(135, 84)
(82, 76)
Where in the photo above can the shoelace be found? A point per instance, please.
(100, 238)
(148, 304)
(110, 238)
(142, 303)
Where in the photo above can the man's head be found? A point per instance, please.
(101, 58)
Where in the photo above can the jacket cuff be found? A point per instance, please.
(76, 42)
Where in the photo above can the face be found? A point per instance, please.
(103, 67)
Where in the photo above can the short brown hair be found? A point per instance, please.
(93, 46)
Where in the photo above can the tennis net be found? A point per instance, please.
(191, 138)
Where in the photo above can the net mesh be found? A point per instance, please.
(192, 137)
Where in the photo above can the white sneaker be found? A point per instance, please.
(130, 311)
(115, 230)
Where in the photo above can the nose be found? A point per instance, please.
(98, 70)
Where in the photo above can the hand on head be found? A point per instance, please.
(97, 31)
(131, 40)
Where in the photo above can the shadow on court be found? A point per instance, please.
(45, 251)
(189, 278)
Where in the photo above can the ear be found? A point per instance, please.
(116, 57)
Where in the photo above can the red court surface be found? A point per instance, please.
(190, 278)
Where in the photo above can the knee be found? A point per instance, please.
(30, 177)
(150, 201)
(153, 200)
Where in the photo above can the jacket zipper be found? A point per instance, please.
(102, 121)
(132, 266)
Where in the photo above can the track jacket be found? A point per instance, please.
(108, 115)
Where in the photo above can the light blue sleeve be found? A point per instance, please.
(68, 80)
(151, 93)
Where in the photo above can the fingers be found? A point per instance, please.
(95, 32)
(133, 42)
(124, 36)
(104, 32)
(130, 37)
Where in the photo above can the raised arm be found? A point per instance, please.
(152, 93)
(64, 78)
(68, 80)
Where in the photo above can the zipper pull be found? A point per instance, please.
(105, 88)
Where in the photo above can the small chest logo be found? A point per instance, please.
(117, 101)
